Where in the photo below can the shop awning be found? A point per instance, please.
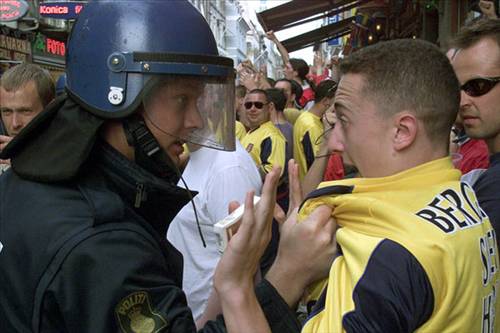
(320, 35)
(297, 12)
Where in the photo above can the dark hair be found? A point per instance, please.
(259, 91)
(18, 76)
(326, 88)
(283, 80)
(240, 91)
(271, 81)
(412, 75)
(471, 34)
(296, 89)
(302, 69)
(300, 66)
(277, 97)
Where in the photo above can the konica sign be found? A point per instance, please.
(61, 10)
(12, 10)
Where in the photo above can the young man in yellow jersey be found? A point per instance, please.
(308, 128)
(263, 141)
(416, 251)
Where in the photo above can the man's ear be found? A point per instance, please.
(405, 130)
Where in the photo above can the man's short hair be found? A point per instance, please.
(277, 97)
(18, 76)
(411, 75)
(326, 89)
(259, 91)
(475, 31)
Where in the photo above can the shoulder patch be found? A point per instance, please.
(249, 147)
(135, 315)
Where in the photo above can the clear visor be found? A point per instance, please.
(194, 109)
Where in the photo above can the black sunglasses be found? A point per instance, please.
(479, 86)
(258, 105)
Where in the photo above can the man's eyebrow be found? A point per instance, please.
(339, 105)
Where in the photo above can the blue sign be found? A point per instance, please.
(61, 10)
(333, 41)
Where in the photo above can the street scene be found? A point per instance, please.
(314, 166)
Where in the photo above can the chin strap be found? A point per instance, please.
(150, 156)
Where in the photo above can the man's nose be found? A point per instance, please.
(17, 121)
(193, 118)
(335, 141)
(465, 100)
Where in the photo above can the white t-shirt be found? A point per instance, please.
(220, 177)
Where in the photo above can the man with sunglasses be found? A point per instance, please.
(264, 141)
(477, 65)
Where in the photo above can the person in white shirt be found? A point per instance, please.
(219, 177)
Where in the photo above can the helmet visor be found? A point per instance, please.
(194, 109)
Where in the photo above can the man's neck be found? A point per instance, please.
(317, 110)
(493, 144)
(277, 117)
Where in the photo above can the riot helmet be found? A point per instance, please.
(120, 51)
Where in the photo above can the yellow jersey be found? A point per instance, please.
(267, 146)
(417, 253)
(291, 114)
(240, 130)
(306, 131)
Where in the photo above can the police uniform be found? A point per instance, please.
(267, 145)
(417, 254)
(306, 131)
(83, 241)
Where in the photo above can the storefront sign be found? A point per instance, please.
(15, 44)
(48, 46)
(12, 10)
(61, 10)
(14, 49)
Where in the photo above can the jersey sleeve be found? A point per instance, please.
(272, 153)
(393, 295)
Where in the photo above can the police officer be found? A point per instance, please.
(85, 208)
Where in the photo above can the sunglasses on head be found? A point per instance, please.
(479, 86)
(258, 105)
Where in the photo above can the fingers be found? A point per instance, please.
(294, 185)
(248, 219)
(279, 214)
(270, 185)
(4, 140)
(321, 215)
(232, 206)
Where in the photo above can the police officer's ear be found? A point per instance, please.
(405, 128)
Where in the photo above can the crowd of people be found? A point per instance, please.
(378, 176)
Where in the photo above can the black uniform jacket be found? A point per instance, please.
(88, 253)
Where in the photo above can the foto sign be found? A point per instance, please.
(61, 10)
(12, 10)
